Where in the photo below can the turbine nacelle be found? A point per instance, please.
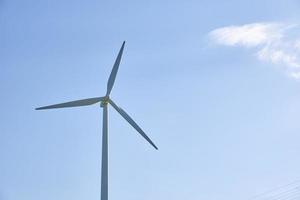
(104, 102)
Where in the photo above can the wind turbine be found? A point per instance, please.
(104, 101)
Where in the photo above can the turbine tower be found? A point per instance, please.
(104, 101)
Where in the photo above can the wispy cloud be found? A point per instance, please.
(276, 43)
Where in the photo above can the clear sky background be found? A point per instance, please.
(226, 123)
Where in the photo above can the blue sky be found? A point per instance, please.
(225, 120)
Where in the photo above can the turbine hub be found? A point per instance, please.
(104, 102)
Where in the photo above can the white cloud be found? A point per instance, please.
(271, 41)
(247, 35)
(297, 45)
(278, 56)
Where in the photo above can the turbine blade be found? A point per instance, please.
(132, 122)
(82, 102)
(114, 71)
